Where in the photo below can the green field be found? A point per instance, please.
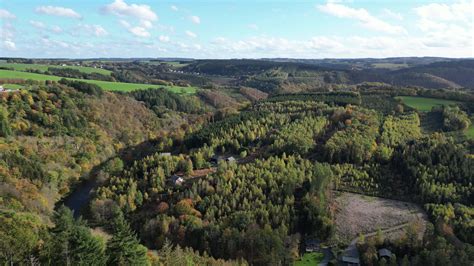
(12, 86)
(177, 64)
(308, 259)
(389, 66)
(424, 104)
(106, 85)
(470, 132)
(24, 67)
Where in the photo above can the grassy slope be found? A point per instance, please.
(424, 104)
(12, 86)
(310, 259)
(106, 85)
(24, 67)
(470, 132)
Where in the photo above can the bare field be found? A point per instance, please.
(357, 214)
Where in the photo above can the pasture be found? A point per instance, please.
(470, 132)
(106, 85)
(12, 86)
(424, 104)
(391, 66)
(313, 258)
(43, 68)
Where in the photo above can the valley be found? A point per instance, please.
(233, 162)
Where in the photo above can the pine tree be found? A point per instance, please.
(123, 248)
(87, 249)
(72, 242)
(61, 234)
(188, 167)
(5, 129)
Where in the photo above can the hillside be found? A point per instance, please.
(245, 171)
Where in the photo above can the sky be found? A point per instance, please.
(236, 29)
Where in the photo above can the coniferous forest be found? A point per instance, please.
(155, 177)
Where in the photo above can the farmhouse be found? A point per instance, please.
(230, 159)
(176, 180)
(350, 261)
(216, 159)
(2, 89)
(385, 253)
(312, 245)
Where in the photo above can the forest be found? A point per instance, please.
(244, 172)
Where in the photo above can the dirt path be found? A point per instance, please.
(351, 250)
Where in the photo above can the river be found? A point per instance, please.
(79, 198)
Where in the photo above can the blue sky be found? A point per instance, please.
(236, 29)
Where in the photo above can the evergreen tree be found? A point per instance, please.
(72, 242)
(5, 129)
(87, 249)
(123, 248)
(61, 234)
(188, 167)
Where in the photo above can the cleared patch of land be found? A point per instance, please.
(358, 214)
(12, 86)
(106, 85)
(389, 65)
(40, 67)
(424, 104)
(313, 258)
(470, 131)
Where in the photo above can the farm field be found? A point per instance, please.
(470, 132)
(358, 214)
(40, 67)
(106, 85)
(392, 66)
(12, 86)
(424, 104)
(313, 258)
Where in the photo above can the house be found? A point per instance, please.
(216, 159)
(165, 153)
(350, 261)
(385, 253)
(177, 180)
(312, 245)
(230, 159)
(2, 89)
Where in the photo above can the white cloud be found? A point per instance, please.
(9, 45)
(137, 31)
(174, 8)
(361, 15)
(58, 11)
(37, 24)
(95, 30)
(143, 13)
(447, 25)
(120, 8)
(191, 34)
(164, 38)
(253, 26)
(56, 29)
(390, 14)
(458, 11)
(195, 19)
(5, 14)
(146, 24)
